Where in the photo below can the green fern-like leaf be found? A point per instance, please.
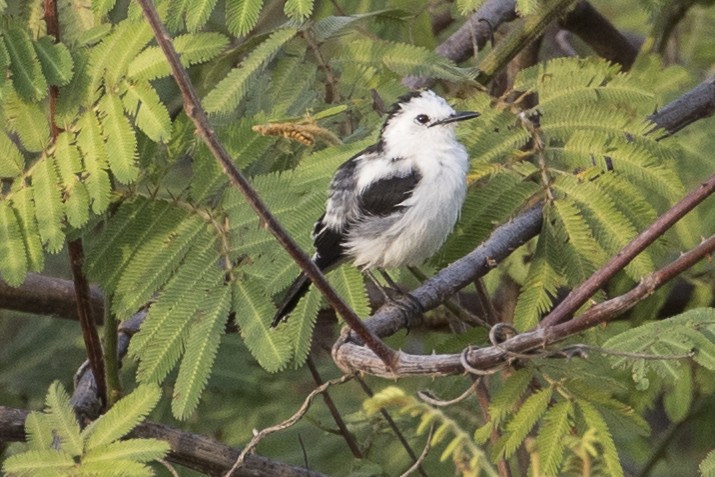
(39, 462)
(102, 7)
(253, 311)
(67, 158)
(25, 208)
(242, 15)
(77, 204)
(152, 117)
(523, 421)
(679, 335)
(94, 153)
(466, 455)
(14, 265)
(198, 13)
(201, 348)
(29, 121)
(122, 417)
(610, 227)
(49, 215)
(193, 48)
(508, 394)
(551, 438)
(134, 223)
(595, 420)
(231, 90)
(38, 431)
(156, 260)
(120, 139)
(404, 59)
(161, 341)
(298, 9)
(707, 466)
(12, 162)
(26, 70)
(541, 283)
(56, 61)
(63, 420)
(133, 450)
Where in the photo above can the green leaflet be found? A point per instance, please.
(120, 139)
(403, 59)
(162, 338)
(298, 9)
(97, 450)
(49, 215)
(193, 48)
(230, 91)
(677, 336)
(62, 418)
(156, 260)
(197, 14)
(24, 206)
(94, 153)
(151, 116)
(26, 70)
(122, 418)
(254, 312)
(201, 347)
(550, 441)
(12, 162)
(595, 420)
(242, 15)
(523, 421)
(55, 60)
(13, 266)
(29, 121)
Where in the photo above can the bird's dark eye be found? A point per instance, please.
(422, 118)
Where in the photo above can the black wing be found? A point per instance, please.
(385, 196)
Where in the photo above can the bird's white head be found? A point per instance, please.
(421, 121)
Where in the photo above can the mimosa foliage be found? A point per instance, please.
(165, 229)
(57, 446)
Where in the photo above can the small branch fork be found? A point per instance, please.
(194, 110)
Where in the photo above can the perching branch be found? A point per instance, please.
(490, 359)
(194, 111)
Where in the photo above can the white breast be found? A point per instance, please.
(419, 230)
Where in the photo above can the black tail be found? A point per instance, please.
(295, 292)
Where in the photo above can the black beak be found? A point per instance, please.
(458, 116)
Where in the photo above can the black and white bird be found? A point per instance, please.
(394, 203)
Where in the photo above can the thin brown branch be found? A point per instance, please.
(86, 321)
(484, 400)
(297, 416)
(197, 452)
(587, 289)
(331, 82)
(344, 431)
(194, 111)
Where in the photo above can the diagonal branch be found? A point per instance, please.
(198, 116)
(587, 289)
(490, 359)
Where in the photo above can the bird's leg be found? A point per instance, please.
(409, 307)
